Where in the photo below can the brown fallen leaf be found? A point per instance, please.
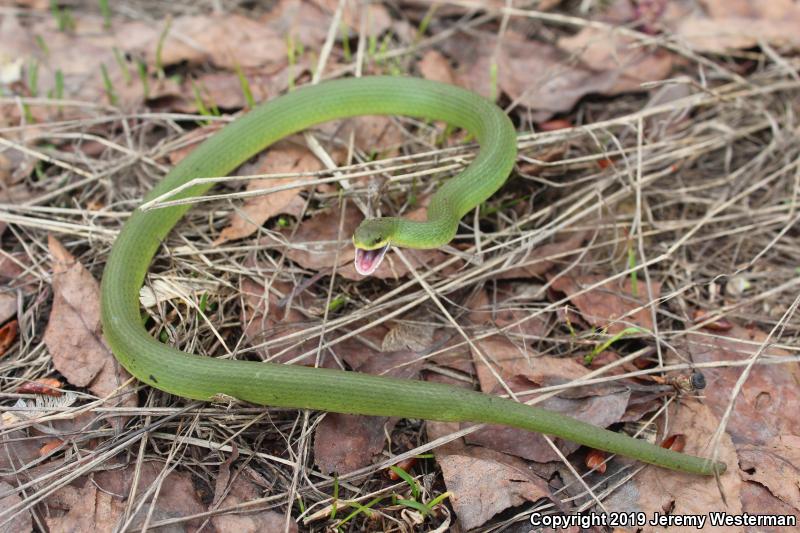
(73, 53)
(73, 334)
(765, 407)
(599, 410)
(406, 465)
(44, 386)
(265, 320)
(8, 334)
(87, 509)
(756, 499)
(344, 443)
(485, 482)
(16, 447)
(435, 66)
(223, 39)
(300, 21)
(620, 64)
(612, 305)
(741, 24)
(283, 158)
(542, 77)
(224, 476)
(666, 491)
(524, 370)
(555, 124)
(50, 447)
(15, 273)
(596, 459)
(701, 316)
(191, 140)
(378, 19)
(242, 491)
(542, 258)
(21, 522)
(223, 89)
(497, 477)
(373, 134)
(675, 442)
(97, 503)
(776, 466)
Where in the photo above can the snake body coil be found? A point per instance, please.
(204, 378)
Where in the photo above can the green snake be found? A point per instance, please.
(207, 378)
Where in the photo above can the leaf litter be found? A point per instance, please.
(710, 199)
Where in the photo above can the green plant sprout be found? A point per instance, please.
(600, 348)
(123, 65)
(109, 87)
(141, 68)
(245, 85)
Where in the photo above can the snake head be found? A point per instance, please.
(371, 239)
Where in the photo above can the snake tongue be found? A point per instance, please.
(367, 261)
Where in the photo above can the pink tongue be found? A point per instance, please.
(367, 261)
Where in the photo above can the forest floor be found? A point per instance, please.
(640, 270)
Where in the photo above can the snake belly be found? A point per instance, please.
(206, 378)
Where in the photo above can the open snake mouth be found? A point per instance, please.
(367, 261)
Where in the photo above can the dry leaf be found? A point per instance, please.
(541, 77)
(376, 134)
(756, 499)
(20, 522)
(619, 63)
(317, 241)
(596, 459)
(283, 158)
(378, 19)
(766, 406)
(523, 370)
(505, 307)
(485, 482)
(539, 260)
(701, 316)
(44, 386)
(665, 491)
(8, 334)
(435, 66)
(299, 20)
(611, 305)
(741, 24)
(406, 465)
(224, 476)
(775, 465)
(223, 39)
(73, 334)
(97, 503)
(265, 320)
(16, 448)
(408, 336)
(344, 443)
(242, 491)
(191, 140)
(14, 274)
(599, 410)
(50, 447)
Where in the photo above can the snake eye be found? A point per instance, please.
(376, 241)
